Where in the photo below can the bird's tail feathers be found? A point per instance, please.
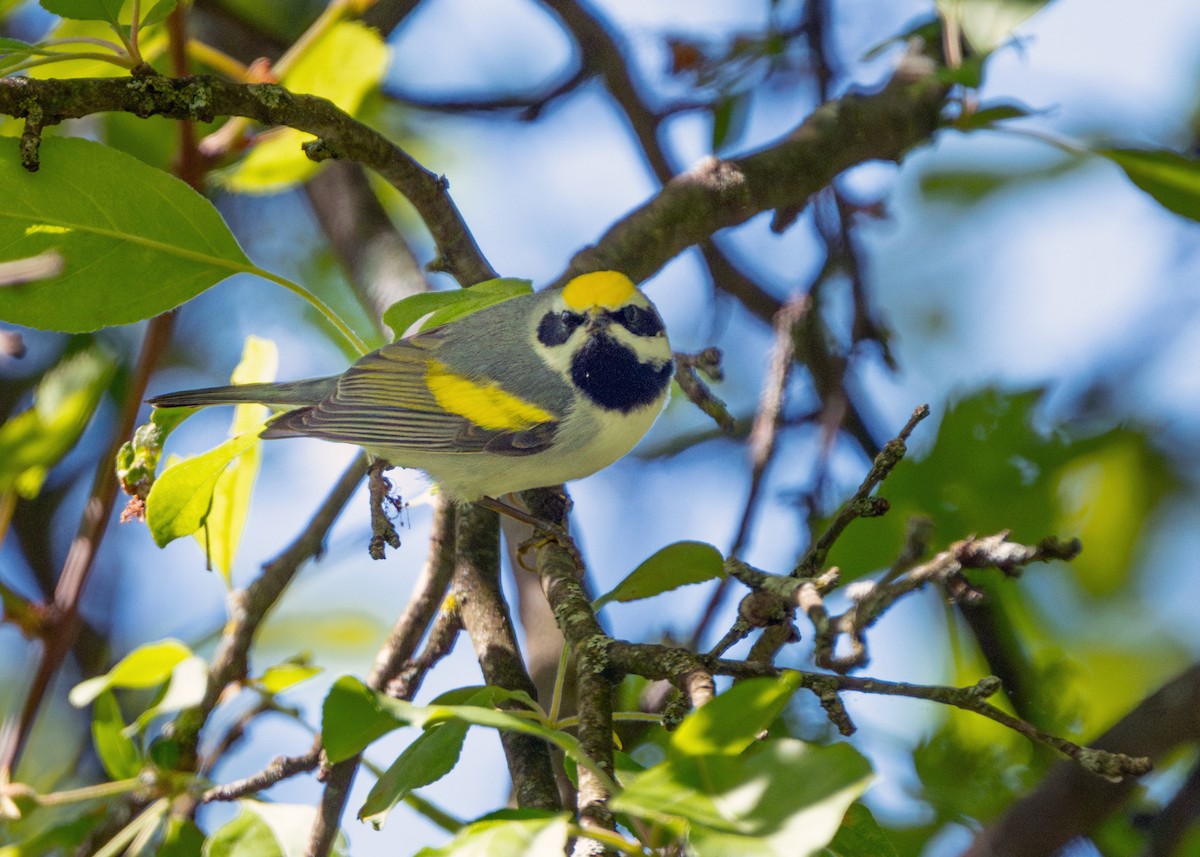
(289, 394)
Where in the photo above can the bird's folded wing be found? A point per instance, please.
(385, 402)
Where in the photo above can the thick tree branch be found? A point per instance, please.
(204, 98)
(719, 193)
(485, 615)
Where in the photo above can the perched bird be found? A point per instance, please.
(530, 392)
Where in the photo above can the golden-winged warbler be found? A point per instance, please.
(530, 392)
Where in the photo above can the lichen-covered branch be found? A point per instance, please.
(204, 98)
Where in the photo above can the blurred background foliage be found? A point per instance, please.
(1044, 307)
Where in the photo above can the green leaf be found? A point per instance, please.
(676, 565)
(223, 525)
(135, 240)
(783, 797)
(146, 666)
(86, 10)
(991, 470)
(267, 830)
(729, 120)
(33, 441)
(344, 65)
(159, 12)
(992, 115)
(352, 716)
(182, 496)
(443, 307)
(182, 839)
(62, 839)
(731, 721)
(514, 837)
(280, 677)
(426, 760)
(861, 836)
(987, 24)
(1171, 178)
(189, 683)
(117, 752)
(9, 47)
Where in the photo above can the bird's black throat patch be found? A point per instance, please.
(611, 375)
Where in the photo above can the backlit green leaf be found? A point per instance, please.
(146, 666)
(222, 530)
(782, 797)
(182, 496)
(352, 716)
(117, 751)
(268, 830)
(344, 65)
(278, 678)
(676, 565)
(511, 837)
(135, 241)
(443, 307)
(88, 10)
(1171, 178)
(861, 836)
(731, 721)
(987, 24)
(189, 683)
(33, 441)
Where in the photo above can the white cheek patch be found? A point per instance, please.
(649, 349)
(558, 357)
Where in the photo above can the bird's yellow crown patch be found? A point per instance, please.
(604, 289)
(485, 404)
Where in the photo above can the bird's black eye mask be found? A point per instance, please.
(556, 328)
(640, 321)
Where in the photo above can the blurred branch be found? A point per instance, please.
(204, 98)
(249, 607)
(719, 193)
(62, 617)
(527, 105)
(1176, 819)
(601, 54)
(396, 670)
(1068, 803)
(761, 442)
(378, 261)
(480, 602)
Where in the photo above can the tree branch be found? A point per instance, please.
(203, 98)
(719, 193)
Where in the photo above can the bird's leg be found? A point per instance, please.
(544, 532)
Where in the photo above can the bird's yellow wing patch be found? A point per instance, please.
(485, 404)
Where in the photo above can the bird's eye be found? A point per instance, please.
(556, 328)
(640, 321)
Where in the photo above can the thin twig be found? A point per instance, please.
(761, 442)
(280, 769)
(860, 504)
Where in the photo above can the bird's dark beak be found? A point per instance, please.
(598, 320)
